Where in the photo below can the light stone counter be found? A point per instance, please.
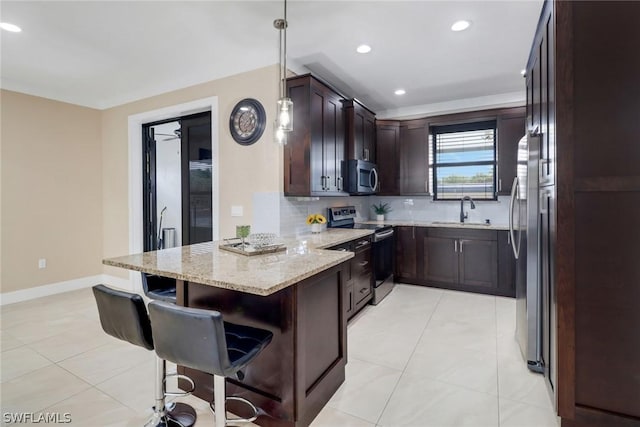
(442, 224)
(265, 274)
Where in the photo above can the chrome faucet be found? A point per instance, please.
(463, 215)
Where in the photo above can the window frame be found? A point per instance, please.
(464, 127)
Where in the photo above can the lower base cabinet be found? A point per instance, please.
(471, 260)
(359, 276)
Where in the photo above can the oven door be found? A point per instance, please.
(363, 177)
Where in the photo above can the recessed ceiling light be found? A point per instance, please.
(363, 48)
(400, 92)
(460, 25)
(10, 27)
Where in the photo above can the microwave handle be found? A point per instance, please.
(374, 184)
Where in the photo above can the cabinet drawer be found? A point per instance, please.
(457, 233)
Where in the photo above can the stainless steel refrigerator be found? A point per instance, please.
(523, 227)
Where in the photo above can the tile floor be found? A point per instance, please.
(424, 357)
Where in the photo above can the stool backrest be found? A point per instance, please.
(190, 337)
(124, 316)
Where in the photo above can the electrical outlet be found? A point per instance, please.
(237, 211)
(42, 263)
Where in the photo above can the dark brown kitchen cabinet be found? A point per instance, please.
(315, 149)
(511, 128)
(406, 254)
(414, 157)
(461, 259)
(580, 102)
(361, 131)
(358, 275)
(507, 264)
(387, 142)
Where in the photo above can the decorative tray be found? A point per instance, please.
(244, 248)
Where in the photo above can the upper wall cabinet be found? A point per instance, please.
(387, 146)
(315, 151)
(361, 132)
(414, 157)
(511, 128)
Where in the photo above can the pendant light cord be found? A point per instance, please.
(284, 71)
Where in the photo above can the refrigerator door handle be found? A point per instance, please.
(514, 189)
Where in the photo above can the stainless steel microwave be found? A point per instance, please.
(362, 177)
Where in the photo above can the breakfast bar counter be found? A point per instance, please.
(297, 294)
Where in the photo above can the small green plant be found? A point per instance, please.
(381, 208)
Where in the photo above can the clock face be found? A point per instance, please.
(247, 121)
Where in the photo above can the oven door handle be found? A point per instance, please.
(382, 236)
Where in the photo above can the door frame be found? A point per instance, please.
(135, 123)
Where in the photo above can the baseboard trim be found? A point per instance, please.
(66, 286)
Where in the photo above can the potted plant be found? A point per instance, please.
(381, 209)
(316, 221)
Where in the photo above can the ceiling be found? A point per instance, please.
(106, 53)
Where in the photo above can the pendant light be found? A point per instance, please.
(284, 118)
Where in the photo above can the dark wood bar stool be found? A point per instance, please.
(123, 315)
(159, 288)
(200, 339)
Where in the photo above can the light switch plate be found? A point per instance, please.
(42, 263)
(237, 211)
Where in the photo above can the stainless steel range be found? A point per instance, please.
(382, 249)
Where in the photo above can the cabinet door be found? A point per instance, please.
(414, 157)
(369, 137)
(349, 303)
(507, 263)
(333, 142)
(510, 130)
(442, 259)
(478, 263)
(406, 256)
(387, 138)
(317, 149)
(547, 283)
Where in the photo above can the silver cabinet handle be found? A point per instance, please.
(365, 154)
(455, 246)
(322, 182)
(500, 184)
(328, 181)
(461, 242)
(339, 183)
(363, 263)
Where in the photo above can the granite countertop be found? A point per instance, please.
(265, 274)
(443, 224)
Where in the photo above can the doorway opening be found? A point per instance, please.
(177, 181)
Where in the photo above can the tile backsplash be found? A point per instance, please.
(286, 216)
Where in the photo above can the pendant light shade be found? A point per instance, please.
(285, 114)
(284, 118)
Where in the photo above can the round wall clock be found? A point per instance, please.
(247, 121)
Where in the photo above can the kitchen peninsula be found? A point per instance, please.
(298, 295)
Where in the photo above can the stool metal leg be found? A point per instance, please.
(174, 415)
(219, 398)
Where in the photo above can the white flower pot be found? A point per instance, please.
(380, 217)
(316, 228)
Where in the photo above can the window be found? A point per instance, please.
(463, 161)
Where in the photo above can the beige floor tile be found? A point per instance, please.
(8, 341)
(39, 329)
(72, 342)
(92, 408)
(517, 382)
(133, 388)
(40, 389)
(459, 334)
(97, 365)
(516, 414)
(466, 368)
(366, 390)
(424, 402)
(330, 417)
(20, 361)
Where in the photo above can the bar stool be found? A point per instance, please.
(123, 316)
(200, 339)
(159, 288)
